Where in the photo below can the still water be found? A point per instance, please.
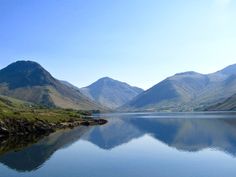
(130, 145)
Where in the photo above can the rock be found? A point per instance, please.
(20, 127)
(101, 121)
(85, 123)
(3, 131)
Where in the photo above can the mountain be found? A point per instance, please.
(69, 85)
(228, 105)
(29, 81)
(111, 93)
(186, 92)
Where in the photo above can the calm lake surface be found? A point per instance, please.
(130, 145)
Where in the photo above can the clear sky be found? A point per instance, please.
(140, 42)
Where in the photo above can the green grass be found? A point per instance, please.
(16, 109)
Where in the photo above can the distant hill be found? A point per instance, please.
(187, 92)
(228, 105)
(111, 93)
(28, 81)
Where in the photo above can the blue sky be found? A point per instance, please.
(137, 41)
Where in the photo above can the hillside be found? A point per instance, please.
(28, 81)
(111, 93)
(228, 105)
(186, 92)
(18, 118)
(16, 109)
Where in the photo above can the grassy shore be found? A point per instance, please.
(16, 109)
(18, 117)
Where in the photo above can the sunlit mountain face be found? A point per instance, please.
(188, 91)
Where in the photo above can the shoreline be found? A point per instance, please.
(20, 127)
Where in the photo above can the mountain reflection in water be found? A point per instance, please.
(34, 156)
(183, 134)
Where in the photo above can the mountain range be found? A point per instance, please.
(187, 91)
(29, 81)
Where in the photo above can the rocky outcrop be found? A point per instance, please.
(20, 127)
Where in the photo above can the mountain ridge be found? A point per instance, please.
(110, 92)
(187, 91)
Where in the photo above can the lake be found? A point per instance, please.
(130, 145)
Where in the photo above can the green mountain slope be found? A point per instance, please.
(27, 80)
(11, 108)
(111, 93)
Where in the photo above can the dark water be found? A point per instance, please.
(130, 145)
